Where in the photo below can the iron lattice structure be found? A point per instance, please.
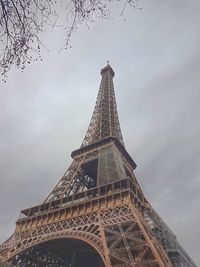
(99, 202)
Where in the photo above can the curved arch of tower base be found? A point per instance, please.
(60, 253)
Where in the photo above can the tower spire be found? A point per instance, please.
(104, 122)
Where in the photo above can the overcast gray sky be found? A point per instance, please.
(45, 111)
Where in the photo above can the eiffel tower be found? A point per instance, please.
(97, 214)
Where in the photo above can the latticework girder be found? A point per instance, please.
(118, 221)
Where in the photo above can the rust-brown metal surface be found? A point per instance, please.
(109, 218)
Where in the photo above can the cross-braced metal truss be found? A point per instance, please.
(113, 232)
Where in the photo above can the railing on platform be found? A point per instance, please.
(96, 192)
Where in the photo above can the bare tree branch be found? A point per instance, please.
(22, 21)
